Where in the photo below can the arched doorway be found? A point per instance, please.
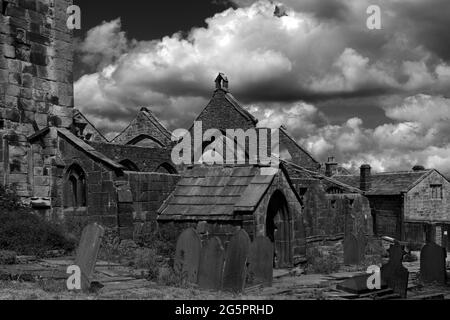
(279, 230)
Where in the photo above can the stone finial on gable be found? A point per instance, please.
(222, 82)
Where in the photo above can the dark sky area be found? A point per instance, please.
(148, 20)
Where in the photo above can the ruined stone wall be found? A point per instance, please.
(333, 215)
(420, 205)
(143, 125)
(101, 185)
(149, 191)
(146, 159)
(220, 114)
(36, 88)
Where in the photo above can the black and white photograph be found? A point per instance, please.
(225, 155)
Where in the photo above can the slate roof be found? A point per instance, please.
(388, 183)
(80, 145)
(216, 193)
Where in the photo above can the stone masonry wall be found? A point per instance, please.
(146, 159)
(36, 88)
(149, 191)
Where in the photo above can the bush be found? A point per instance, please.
(7, 257)
(147, 259)
(26, 233)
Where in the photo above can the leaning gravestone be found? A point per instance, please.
(235, 262)
(261, 261)
(211, 265)
(187, 255)
(433, 266)
(87, 252)
(351, 250)
(394, 274)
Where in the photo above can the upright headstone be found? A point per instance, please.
(394, 274)
(261, 261)
(187, 255)
(433, 266)
(211, 265)
(236, 261)
(351, 250)
(362, 244)
(87, 252)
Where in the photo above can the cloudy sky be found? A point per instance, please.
(364, 96)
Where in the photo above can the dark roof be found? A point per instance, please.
(388, 183)
(89, 150)
(216, 193)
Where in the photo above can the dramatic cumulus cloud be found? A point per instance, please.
(419, 133)
(286, 65)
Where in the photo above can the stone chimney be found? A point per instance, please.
(366, 177)
(330, 167)
(222, 82)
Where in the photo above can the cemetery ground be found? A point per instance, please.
(33, 278)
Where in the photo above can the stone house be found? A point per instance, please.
(412, 206)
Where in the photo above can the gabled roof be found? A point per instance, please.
(233, 103)
(239, 108)
(153, 121)
(79, 114)
(388, 183)
(216, 193)
(151, 116)
(80, 145)
(288, 135)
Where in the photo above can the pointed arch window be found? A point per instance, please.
(76, 187)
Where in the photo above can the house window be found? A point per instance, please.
(437, 192)
(76, 187)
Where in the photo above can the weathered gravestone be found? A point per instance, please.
(187, 256)
(357, 284)
(211, 265)
(261, 261)
(351, 250)
(236, 262)
(394, 274)
(433, 266)
(362, 245)
(87, 252)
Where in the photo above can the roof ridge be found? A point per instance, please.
(236, 104)
(152, 117)
(284, 130)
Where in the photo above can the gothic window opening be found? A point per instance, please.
(76, 187)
